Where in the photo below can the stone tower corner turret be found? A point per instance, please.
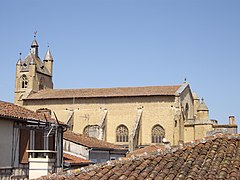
(196, 102)
(48, 61)
(202, 111)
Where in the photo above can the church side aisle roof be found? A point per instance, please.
(106, 92)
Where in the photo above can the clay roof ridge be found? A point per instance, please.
(106, 92)
(115, 87)
(176, 85)
(209, 139)
(191, 144)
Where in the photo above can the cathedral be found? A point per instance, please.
(132, 117)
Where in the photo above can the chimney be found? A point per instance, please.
(45, 111)
(231, 120)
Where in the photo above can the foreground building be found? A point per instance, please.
(133, 117)
(216, 157)
(89, 148)
(30, 143)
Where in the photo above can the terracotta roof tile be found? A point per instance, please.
(9, 110)
(215, 158)
(75, 160)
(88, 141)
(147, 149)
(105, 92)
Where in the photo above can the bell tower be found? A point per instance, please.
(32, 74)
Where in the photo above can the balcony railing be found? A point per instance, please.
(7, 173)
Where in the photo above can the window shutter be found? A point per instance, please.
(24, 146)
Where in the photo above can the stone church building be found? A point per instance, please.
(128, 116)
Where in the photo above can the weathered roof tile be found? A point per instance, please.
(9, 110)
(216, 158)
(75, 160)
(105, 92)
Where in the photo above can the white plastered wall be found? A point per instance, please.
(6, 132)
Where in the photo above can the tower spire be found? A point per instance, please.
(34, 46)
(48, 61)
(48, 56)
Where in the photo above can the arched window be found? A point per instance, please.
(24, 81)
(158, 133)
(186, 111)
(122, 134)
(91, 131)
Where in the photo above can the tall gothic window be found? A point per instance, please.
(158, 133)
(122, 134)
(186, 111)
(24, 81)
(41, 84)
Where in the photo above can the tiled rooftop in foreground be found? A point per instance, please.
(216, 157)
(12, 111)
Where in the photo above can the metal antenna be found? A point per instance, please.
(56, 117)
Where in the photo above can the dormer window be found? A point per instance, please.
(24, 81)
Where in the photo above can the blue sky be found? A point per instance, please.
(113, 43)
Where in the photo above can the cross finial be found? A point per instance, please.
(185, 79)
(20, 54)
(35, 34)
